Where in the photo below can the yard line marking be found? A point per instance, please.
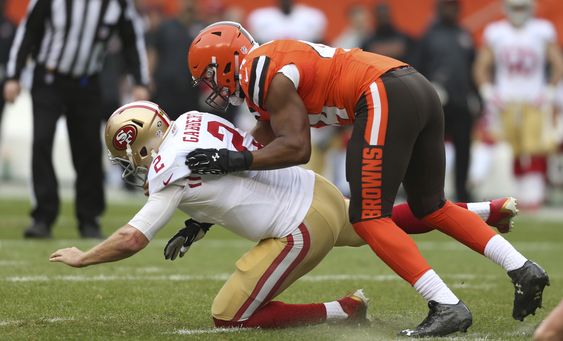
(59, 319)
(208, 331)
(223, 277)
(12, 262)
(9, 322)
(49, 320)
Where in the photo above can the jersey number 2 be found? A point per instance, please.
(236, 138)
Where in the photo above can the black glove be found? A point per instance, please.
(184, 238)
(218, 161)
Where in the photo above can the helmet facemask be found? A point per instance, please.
(132, 175)
(221, 96)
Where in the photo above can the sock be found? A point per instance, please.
(432, 288)
(462, 225)
(277, 314)
(500, 251)
(394, 247)
(406, 220)
(334, 311)
(482, 209)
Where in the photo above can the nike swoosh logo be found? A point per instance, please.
(165, 183)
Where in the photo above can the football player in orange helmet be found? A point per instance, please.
(398, 129)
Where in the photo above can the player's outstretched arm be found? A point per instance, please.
(123, 243)
(551, 329)
(291, 143)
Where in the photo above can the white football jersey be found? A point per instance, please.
(252, 204)
(303, 22)
(520, 57)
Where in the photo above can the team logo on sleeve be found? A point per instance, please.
(124, 136)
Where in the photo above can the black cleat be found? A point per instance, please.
(90, 230)
(37, 230)
(442, 320)
(529, 282)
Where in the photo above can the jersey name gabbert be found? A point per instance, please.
(192, 127)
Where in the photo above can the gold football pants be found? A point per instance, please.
(274, 264)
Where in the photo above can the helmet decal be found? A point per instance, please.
(124, 136)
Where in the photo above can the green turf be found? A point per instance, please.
(146, 297)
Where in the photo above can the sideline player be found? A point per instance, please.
(301, 215)
(510, 71)
(398, 132)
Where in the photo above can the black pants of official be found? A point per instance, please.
(412, 152)
(458, 125)
(79, 101)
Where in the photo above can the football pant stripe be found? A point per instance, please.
(297, 246)
(384, 113)
(306, 245)
(377, 114)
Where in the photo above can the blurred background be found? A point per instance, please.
(480, 164)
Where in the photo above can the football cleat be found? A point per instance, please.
(501, 213)
(37, 230)
(442, 320)
(529, 282)
(356, 306)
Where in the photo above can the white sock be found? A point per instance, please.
(500, 251)
(432, 288)
(334, 311)
(482, 209)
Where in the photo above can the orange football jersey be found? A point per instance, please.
(331, 80)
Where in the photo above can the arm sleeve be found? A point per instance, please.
(292, 72)
(28, 36)
(131, 34)
(157, 211)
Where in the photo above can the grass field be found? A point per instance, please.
(146, 297)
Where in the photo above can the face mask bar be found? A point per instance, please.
(135, 176)
(219, 97)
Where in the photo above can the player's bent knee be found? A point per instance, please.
(425, 205)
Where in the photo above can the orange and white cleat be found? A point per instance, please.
(356, 306)
(502, 212)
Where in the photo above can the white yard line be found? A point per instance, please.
(12, 262)
(207, 331)
(216, 277)
(45, 319)
(9, 322)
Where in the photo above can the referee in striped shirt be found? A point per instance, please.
(67, 40)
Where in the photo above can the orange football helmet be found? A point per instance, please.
(214, 59)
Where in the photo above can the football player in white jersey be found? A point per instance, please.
(510, 73)
(296, 217)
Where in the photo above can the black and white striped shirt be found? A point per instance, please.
(70, 37)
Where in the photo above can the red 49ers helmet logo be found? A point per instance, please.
(124, 136)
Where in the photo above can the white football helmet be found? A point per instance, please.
(133, 135)
(518, 12)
